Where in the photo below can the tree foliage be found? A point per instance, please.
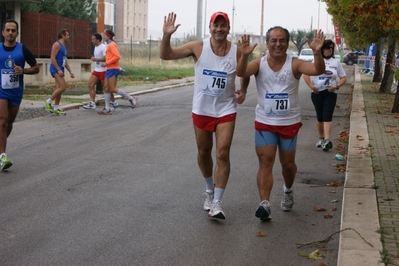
(370, 21)
(77, 9)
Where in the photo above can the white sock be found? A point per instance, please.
(123, 94)
(218, 194)
(107, 98)
(286, 190)
(209, 184)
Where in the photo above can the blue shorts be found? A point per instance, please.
(112, 72)
(13, 96)
(54, 71)
(265, 138)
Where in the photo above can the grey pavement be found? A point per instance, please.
(371, 187)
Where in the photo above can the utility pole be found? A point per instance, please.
(261, 43)
(100, 16)
(232, 22)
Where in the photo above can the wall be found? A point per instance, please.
(80, 67)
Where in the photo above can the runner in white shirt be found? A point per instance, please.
(278, 119)
(324, 93)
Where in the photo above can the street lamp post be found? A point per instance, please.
(205, 17)
(261, 28)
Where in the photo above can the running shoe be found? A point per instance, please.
(58, 112)
(263, 212)
(327, 145)
(288, 201)
(105, 112)
(48, 107)
(4, 162)
(320, 143)
(133, 101)
(114, 104)
(90, 105)
(208, 200)
(216, 211)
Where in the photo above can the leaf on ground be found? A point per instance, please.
(359, 137)
(315, 255)
(333, 184)
(391, 131)
(334, 201)
(260, 234)
(333, 209)
(328, 216)
(319, 209)
(391, 155)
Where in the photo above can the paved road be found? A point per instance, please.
(125, 189)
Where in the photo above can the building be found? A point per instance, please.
(131, 21)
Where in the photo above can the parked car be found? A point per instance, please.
(306, 55)
(351, 58)
(293, 53)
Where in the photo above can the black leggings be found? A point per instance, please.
(324, 104)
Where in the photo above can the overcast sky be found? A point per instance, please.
(290, 14)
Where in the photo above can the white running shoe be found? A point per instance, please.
(208, 200)
(90, 105)
(216, 211)
(114, 104)
(133, 101)
(320, 143)
(288, 201)
(263, 212)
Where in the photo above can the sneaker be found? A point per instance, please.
(105, 112)
(114, 104)
(288, 201)
(208, 200)
(58, 112)
(4, 162)
(216, 211)
(327, 145)
(48, 107)
(320, 143)
(90, 105)
(133, 101)
(263, 212)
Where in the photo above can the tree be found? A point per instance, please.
(369, 21)
(298, 38)
(77, 9)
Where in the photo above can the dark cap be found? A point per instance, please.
(219, 13)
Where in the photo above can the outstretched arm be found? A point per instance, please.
(245, 49)
(318, 65)
(166, 51)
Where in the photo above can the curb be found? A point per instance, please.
(359, 204)
(140, 92)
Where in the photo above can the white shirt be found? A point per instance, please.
(99, 52)
(334, 69)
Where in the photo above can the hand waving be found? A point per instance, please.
(318, 40)
(169, 24)
(244, 45)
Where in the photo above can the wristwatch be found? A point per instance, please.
(337, 87)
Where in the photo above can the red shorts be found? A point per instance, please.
(209, 123)
(285, 132)
(99, 75)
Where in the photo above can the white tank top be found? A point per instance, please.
(214, 85)
(278, 101)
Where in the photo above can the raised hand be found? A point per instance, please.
(169, 24)
(244, 45)
(318, 40)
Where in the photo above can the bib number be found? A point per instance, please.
(277, 104)
(9, 80)
(215, 82)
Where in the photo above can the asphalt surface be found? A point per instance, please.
(125, 189)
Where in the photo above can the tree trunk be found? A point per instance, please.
(387, 79)
(377, 65)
